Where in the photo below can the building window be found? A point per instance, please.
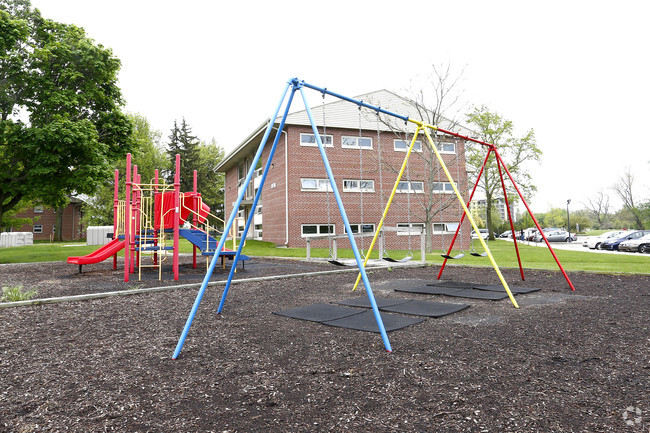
(410, 187)
(446, 147)
(444, 228)
(315, 185)
(403, 145)
(442, 187)
(356, 142)
(310, 140)
(366, 228)
(353, 185)
(38, 228)
(38, 209)
(403, 229)
(307, 230)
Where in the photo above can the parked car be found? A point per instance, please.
(556, 236)
(593, 242)
(612, 244)
(506, 234)
(484, 234)
(641, 245)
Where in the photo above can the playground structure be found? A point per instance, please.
(421, 128)
(159, 215)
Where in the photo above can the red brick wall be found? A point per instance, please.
(73, 229)
(311, 207)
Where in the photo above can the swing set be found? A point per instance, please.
(297, 85)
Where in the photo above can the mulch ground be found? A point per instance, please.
(563, 362)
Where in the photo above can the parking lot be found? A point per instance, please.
(574, 246)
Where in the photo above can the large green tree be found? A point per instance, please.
(148, 154)
(61, 123)
(210, 183)
(516, 152)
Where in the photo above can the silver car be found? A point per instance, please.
(556, 236)
(641, 245)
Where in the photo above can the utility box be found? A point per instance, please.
(99, 235)
(16, 239)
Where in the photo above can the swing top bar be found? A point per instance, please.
(324, 91)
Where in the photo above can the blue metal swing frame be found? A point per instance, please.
(295, 85)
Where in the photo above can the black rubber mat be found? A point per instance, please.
(364, 302)
(513, 289)
(453, 284)
(426, 308)
(459, 293)
(427, 290)
(319, 312)
(366, 322)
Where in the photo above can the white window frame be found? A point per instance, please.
(38, 209)
(417, 147)
(441, 147)
(405, 231)
(365, 226)
(405, 187)
(322, 185)
(319, 230)
(38, 228)
(446, 188)
(346, 142)
(444, 228)
(353, 185)
(327, 142)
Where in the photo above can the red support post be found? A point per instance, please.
(195, 219)
(127, 220)
(523, 200)
(134, 220)
(462, 218)
(512, 227)
(155, 229)
(137, 229)
(177, 201)
(116, 205)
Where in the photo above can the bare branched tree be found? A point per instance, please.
(623, 188)
(598, 208)
(432, 104)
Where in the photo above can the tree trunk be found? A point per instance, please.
(488, 215)
(428, 237)
(58, 230)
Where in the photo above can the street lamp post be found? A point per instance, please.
(568, 220)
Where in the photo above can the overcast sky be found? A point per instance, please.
(577, 72)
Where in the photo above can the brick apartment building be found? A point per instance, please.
(44, 222)
(296, 204)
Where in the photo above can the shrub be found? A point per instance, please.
(15, 293)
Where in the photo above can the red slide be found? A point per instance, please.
(100, 255)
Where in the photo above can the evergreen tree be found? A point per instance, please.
(183, 143)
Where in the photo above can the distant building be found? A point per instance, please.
(499, 204)
(297, 201)
(44, 222)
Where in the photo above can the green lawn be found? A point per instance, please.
(503, 252)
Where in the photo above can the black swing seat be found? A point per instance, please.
(402, 260)
(475, 254)
(340, 263)
(457, 256)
